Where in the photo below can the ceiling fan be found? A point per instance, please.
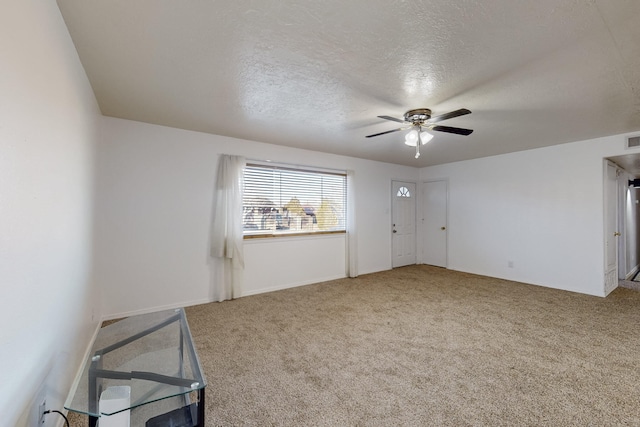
(420, 120)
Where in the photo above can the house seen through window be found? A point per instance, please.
(282, 200)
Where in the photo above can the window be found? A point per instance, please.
(282, 200)
(403, 192)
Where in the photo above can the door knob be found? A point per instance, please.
(616, 234)
(443, 228)
(394, 231)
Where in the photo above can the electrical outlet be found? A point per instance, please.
(41, 408)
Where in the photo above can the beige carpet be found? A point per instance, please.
(421, 346)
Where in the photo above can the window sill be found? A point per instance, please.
(292, 235)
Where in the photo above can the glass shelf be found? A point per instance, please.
(154, 355)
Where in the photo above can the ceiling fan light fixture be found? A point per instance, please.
(425, 137)
(411, 138)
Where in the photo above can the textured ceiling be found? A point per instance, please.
(315, 74)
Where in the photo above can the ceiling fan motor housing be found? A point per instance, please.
(417, 116)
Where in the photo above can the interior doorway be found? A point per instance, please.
(625, 198)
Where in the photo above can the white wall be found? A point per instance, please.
(48, 124)
(155, 195)
(292, 262)
(541, 209)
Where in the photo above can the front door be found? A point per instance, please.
(403, 219)
(435, 223)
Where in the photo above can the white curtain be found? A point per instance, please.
(352, 236)
(226, 234)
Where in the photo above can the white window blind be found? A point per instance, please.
(281, 200)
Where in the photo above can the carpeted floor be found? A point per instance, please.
(420, 345)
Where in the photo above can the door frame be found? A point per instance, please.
(622, 191)
(420, 222)
(415, 225)
(610, 283)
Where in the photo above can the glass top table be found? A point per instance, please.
(153, 357)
